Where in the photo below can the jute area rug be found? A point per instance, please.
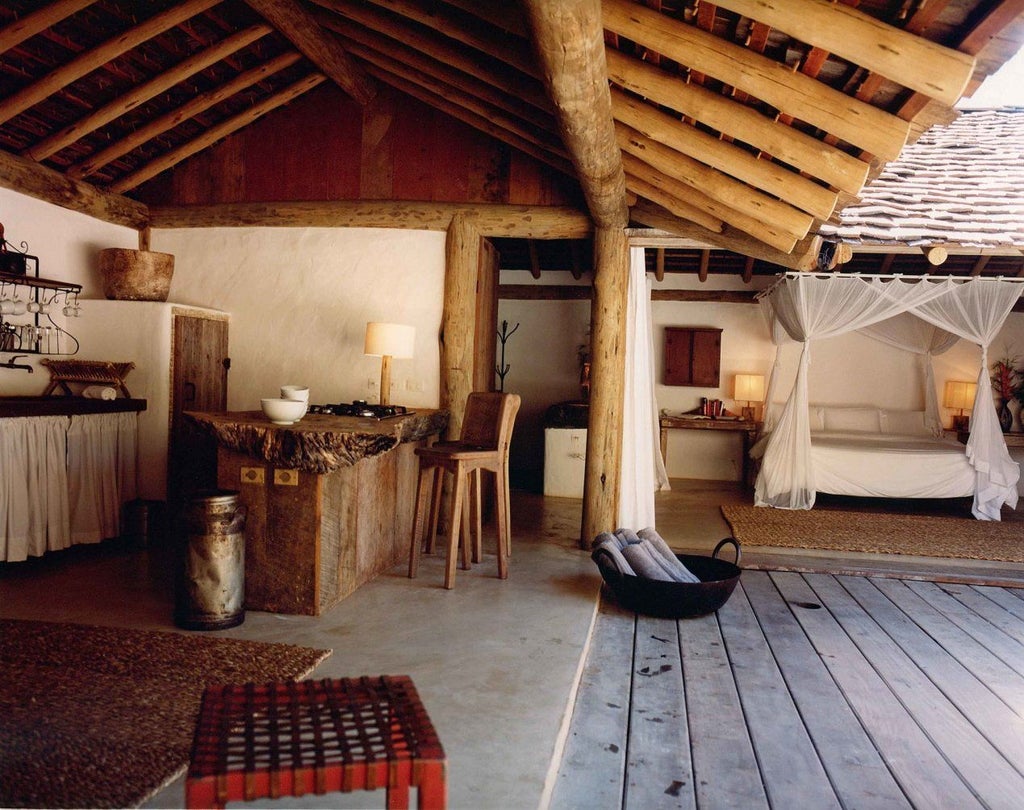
(103, 717)
(877, 533)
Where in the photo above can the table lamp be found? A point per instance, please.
(959, 395)
(387, 340)
(748, 388)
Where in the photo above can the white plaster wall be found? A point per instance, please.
(68, 245)
(300, 299)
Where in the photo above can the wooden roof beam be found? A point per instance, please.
(732, 195)
(667, 199)
(569, 40)
(145, 91)
(912, 61)
(319, 46)
(804, 255)
(169, 120)
(215, 133)
(362, 22)
(821, 160)
(35, 180)
(771, 178)
(90, 60)
(38, 21)
(807, 99)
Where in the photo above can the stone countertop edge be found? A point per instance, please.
(319, 443)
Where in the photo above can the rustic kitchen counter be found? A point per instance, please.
(330, 500)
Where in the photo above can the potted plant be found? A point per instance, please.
(1005, 382)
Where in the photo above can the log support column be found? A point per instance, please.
(607, 383)
(458, 320)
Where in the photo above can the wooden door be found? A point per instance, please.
(199, 382)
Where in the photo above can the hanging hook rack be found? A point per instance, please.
(503, 368)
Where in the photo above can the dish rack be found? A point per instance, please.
(86, 372)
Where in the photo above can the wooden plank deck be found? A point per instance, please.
(805, 690)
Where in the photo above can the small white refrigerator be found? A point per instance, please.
(565, 454)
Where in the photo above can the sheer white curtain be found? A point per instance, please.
(912, 334)
(976, 312)
(33, 487)
(809, 307)
(643, 469)
(101, 473)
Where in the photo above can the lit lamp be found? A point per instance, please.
(387, 340)
(960, 396)
(748, 388)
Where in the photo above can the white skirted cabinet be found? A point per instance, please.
(180, 355)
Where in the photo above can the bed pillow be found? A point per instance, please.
(904, 423)
(852, 420)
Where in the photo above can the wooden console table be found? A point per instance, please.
(748, 428)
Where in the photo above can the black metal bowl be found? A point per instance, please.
(675, 600)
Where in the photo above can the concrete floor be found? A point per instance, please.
(495, 662)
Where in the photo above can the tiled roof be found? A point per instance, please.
(961, 184)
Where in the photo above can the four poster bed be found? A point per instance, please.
(807, 449)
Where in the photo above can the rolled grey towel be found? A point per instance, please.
(646, 562)
(683, 574)
(611, 545)
(626, 537)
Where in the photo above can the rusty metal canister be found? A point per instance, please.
(212, 593)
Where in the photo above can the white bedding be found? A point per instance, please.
(890, 465)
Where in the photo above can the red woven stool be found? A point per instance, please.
(256, 741)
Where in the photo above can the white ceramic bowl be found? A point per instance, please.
(283, 411)
(299, 392)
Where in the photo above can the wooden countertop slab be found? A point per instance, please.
(319, 443)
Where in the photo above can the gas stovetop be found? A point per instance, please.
(362, 408)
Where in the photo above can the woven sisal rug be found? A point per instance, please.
(877, 533)
(103, 717)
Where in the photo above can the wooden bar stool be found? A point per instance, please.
(292, 738)
(483, 446)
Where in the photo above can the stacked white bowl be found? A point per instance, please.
(289, 408)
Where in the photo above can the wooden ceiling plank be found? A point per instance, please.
(772, 178)
(556, 159)
(807, 99)
(748, 269)
(513, 52)
(300, 27)
(499, 13)
(173, 118)
(38, 21)
(905, 58)
(575, 260)
(667, 183)
(569, 40)
(804, 255)
(365, 24)
(829, 164)
(671, 203)
(215, 133)
(142, 93)
(714, 184)
(659, 264)
(493, 219)
(92, 59)
(35, 180)
(432, 74)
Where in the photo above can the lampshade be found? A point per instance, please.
(389, 339)
(748, 387)
(960, 395)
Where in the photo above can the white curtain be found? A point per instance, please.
(912, 334)
(33, 486)
(643, 468)
(101, 473)
(810, 307)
